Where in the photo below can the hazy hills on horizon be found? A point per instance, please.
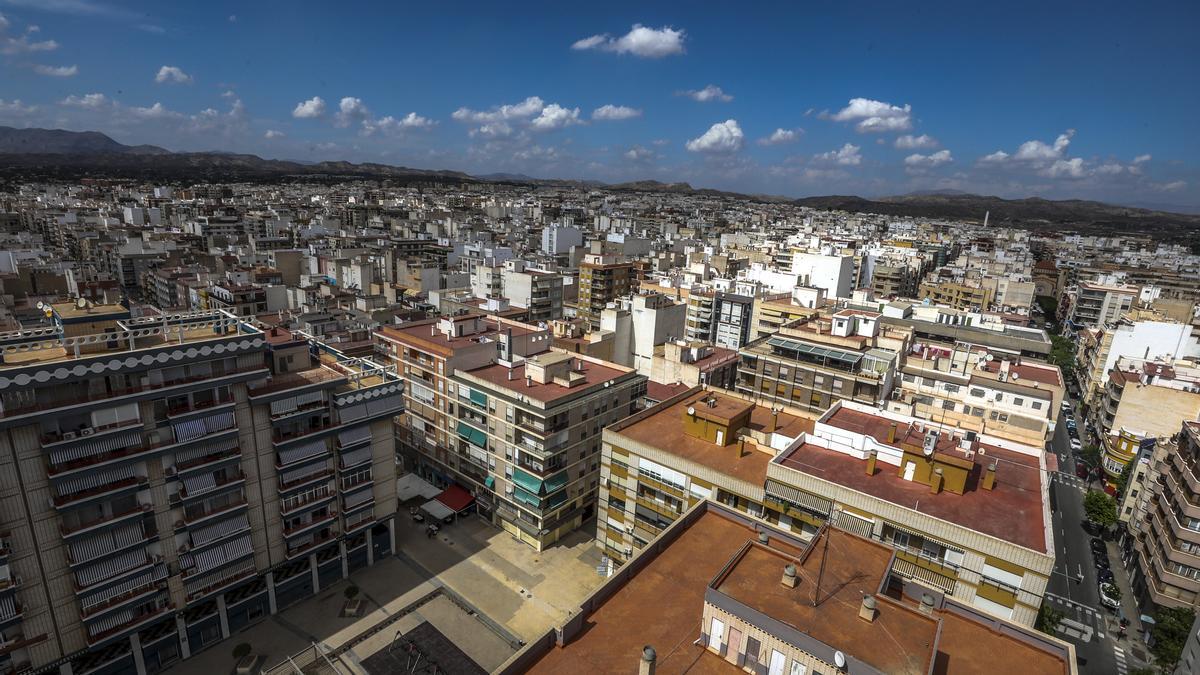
(62, 154)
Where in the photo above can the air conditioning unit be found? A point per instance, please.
(68, 435)
(86, 431)
(629, 529)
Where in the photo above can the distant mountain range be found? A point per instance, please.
(70, 155)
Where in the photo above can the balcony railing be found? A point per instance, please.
(98, 459)
(138, 620)
(287, 437)
(199, 406)
(308, 546)
(330, 515)
(195, 516)
(92, 493)
(96, 522)
(96, 397)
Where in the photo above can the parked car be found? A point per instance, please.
(1100, 561)
(1105, 576)
(1082, 470)
(1076, 445)
(1098, 546)
(1110, 595)
(1066, 404)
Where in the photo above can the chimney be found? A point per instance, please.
(741, 447)
(433, 329)
(774, 421)
(510, 373)
(935, 485)
(891, 437)
(927, 603)
(871, 463)
(989, 477)
(789, 576)
(866, 611)
(648, 661)
(528, 380)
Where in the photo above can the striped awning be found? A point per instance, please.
(94, 479)
(199, 483)
(8, 607)
(110, 567)
(355, 457)
(808, 500)
(212, 558)
(353, 412)
(108, 622)
(302, 452)
(96, 446)
(205, 449)
(377, 406)
(355, 435)
(293, 475)
(359, 498)
(219, 530)
(213, 578)
(103, 543)
(134, 583)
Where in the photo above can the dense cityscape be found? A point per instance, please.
(780, 339)
(222, 400)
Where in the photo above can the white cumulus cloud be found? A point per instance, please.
(710, 93)
(89, 101)
(555, 116)
(996, 157)
(1066, 168)
(394, 125)
(272, 134)
(155, 112)
(1035, 150)
(1141, 159)
(722, 137)
(917, 160)
(351, 110)
(642, 41)
(56, 71)
(847, 155)
(910, 142)
(1173, 186)
(875, 116)
(781, 136)
(313, 107)
(640, 153)
(15, 108)
(615, 113)
(172, 75)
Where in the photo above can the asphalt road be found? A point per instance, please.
(1073, 588)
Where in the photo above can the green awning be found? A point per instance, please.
(528, 481)
(525, 498)
(472, 435)
(490, 482)
(478, 398)
(557, 481)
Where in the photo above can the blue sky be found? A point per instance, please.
(1059, 99)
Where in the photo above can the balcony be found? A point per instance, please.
(99, 459)
(306, 479)
(199, 406)
(206, 460)
(112, 395)
(56, 439)
(96, 523)
(294, 504)
(310, 545)
(201, 486)
(197, 516)
(317, 521)
(917, 568)
(282, 437)
(136, 621)
(107, 489)
(306, 378)
(142, 590)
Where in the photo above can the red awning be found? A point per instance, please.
(456, 498)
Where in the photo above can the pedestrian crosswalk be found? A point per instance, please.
(1119, 655)
(1068, 479)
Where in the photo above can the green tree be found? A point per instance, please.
(1049, 307)
(1062, 354)
(1123, 479)
(1048, 619)
(1100, 508)
(1171, 629)
(1090, 454)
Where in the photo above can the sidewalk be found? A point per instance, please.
(1131, 646)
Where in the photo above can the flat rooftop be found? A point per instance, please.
(595, 375)
(419, 333)
(828, 610)
(662, 605)
(663, 429)
(1013, 511)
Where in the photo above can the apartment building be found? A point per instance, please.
(1138, 334)
(701, 444)
(602, 279)
(1143, 399)
(767, 601)
(1094, 304)
(772, 312)
(980, 390)
(538, 291)
(1167, 546)
(528, 438)
(967, 513)
(429, 352)
(962, 295)
(169, 479)
(813, 362)
(694, 363)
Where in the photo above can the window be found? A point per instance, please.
(948, 405)
(798, 668)
(908, 378)
(1017, 400)
(1037, 405)
(976, 391)
(951, 388)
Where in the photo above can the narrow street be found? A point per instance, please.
(1074, 588)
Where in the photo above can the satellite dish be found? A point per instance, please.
(989, 358)
(81, 303)
(41, 305)
(691, 410)
(1014, 376)
(839, 659)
